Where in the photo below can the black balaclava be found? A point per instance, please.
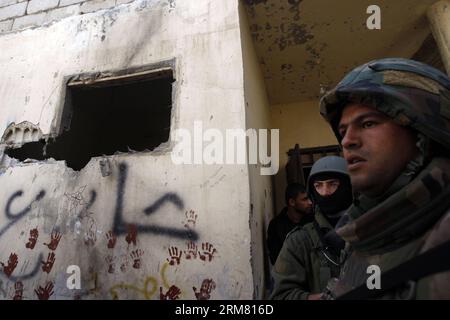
(340, 200)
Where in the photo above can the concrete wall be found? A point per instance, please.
(174, 207)
(298, 123)
(21, 14)
(257, 117)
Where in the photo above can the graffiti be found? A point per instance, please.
(34, 234)
(112, 238)
(33, 272)
(46, 292)
(208, 251)
(191, 219)
(120, 226)
(18, 287)
(76, 199)
(175, 256)
(90, 236)
(47, 265)
(79, 208)
(171, 294)
(16, 217)
(163, 275)
(191, 252)
(132, 234)
(54, 240)
(169, 197)
(205, 290)
(136, 256)
(144, 290)
(12, 264)
(124, 265)
(111, 265)
(206, 254)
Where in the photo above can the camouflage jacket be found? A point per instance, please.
(302, 267)
(408, 222)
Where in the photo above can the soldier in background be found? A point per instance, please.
(311, 254)
(392, 118)
(298, 212)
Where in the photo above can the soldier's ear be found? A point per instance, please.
(291, 202)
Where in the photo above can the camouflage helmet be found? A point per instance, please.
(409, 92)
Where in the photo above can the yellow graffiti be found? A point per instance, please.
(144, 291)
(163, 275)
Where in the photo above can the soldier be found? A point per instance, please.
(310, 254)
(392, 118)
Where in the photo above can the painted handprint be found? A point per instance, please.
(205, 291)
(34, 234)
(47, 265)
(18, 287)
(44, 293)
(171, 294)
(124, 265)
(12, 264)
(54, 240)
(112, 238)
(111, 265)
(132, 234)
(208, 251)
(191, 219)
(90, 236)
(136, 256)
(175, 256)
(191, 252)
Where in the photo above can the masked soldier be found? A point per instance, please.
(310, 255)
(392, 118)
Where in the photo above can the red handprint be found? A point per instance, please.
(12, 264)
(207, 251)
(191, 252)
(175, 256)
(34, 233)
(171, 294)
(132, 234)
(205, 291)
(112, 238)
(191, 219)
(136, 256)
(44, 293)
(124, 265)
(18, 286)
(47, 265)
(111, 265)
(54, 240)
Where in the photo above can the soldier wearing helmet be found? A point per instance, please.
(310, 255)
(392, 118)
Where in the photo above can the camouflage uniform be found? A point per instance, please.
(413, 216)
(302, 267)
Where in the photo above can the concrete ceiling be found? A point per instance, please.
(306, 45)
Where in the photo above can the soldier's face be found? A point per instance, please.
(376, 149)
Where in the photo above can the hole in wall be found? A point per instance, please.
(103, 117)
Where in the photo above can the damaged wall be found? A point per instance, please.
(258, 117)
(144, 228)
